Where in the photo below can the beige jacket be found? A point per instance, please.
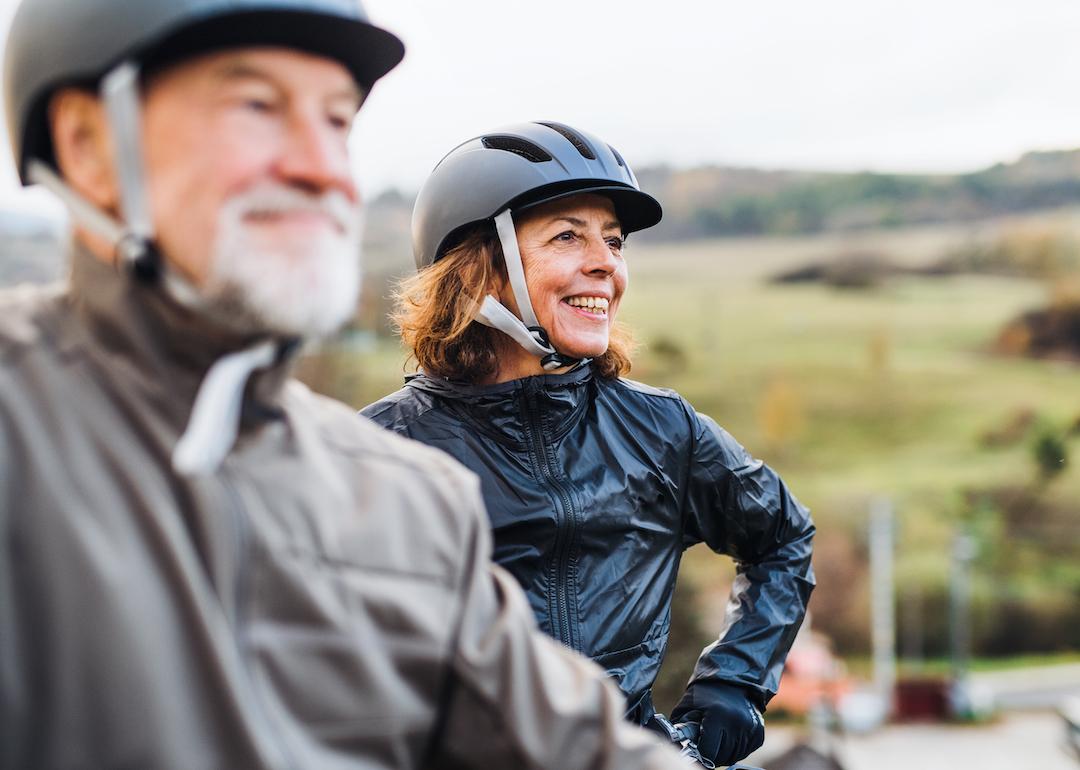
(324, 600)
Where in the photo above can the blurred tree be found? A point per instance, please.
(841, 601)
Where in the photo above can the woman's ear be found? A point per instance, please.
(497, 282)
(83, 146)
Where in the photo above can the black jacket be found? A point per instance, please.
(595, 487)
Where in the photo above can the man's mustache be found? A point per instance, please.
(271, 199)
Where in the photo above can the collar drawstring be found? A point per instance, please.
(215, 418)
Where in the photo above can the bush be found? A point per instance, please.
(1052, 332)
(840, 603)
(1049, 452)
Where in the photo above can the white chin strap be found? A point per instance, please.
(120, 92)
(525, 331)
(496, 315)
(215, 419)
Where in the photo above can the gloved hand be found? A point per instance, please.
(730, 723)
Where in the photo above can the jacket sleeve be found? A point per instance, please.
(518, 699)
(738, 506)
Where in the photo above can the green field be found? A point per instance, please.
(885, 391)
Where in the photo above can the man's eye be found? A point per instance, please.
(259, 105)
(615, 243)
(340, 122)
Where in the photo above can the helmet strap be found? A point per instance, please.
(120, 94)
(139, 256)
(496, 315)
(526, 331)
(131, 237)
(504, 226)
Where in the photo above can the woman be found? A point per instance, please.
(595, 484)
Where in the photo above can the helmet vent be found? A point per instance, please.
(531, 152)
(618, 157)
(573, 137)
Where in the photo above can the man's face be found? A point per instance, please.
(250, 185)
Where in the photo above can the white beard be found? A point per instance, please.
(305, 288)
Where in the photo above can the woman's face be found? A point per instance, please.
(572, 253)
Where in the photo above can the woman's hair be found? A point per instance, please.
(434, 313)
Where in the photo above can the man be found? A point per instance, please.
(202, 564)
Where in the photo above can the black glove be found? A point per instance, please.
(729, 720)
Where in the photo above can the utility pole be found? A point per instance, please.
(911, 625)
(963, 553)
(883, 610)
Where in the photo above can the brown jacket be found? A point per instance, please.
(324, 600)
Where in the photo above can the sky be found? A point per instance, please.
(885, 85)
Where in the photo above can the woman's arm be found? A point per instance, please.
(738, 506)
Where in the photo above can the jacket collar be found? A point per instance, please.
(506, 410)
(157, 346)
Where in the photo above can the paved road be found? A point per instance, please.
(1036, 687)
(1016, 741)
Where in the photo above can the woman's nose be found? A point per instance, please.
(600, 257)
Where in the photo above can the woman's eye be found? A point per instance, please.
(615, 243)
(566, 236)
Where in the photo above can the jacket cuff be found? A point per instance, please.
(703, 693)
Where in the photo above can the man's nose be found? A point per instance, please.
(315, 157)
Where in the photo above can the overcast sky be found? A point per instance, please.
(903, 85)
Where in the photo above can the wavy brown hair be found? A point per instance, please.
(434, 312)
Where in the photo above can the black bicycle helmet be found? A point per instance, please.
(517, 167)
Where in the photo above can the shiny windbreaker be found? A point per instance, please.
(595, 487)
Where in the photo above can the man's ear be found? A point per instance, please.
(83, 146)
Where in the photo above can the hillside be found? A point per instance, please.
(720, 201)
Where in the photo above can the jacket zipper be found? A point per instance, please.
(560, 581)
(240, 599)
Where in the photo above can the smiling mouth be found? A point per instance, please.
(597, 306)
